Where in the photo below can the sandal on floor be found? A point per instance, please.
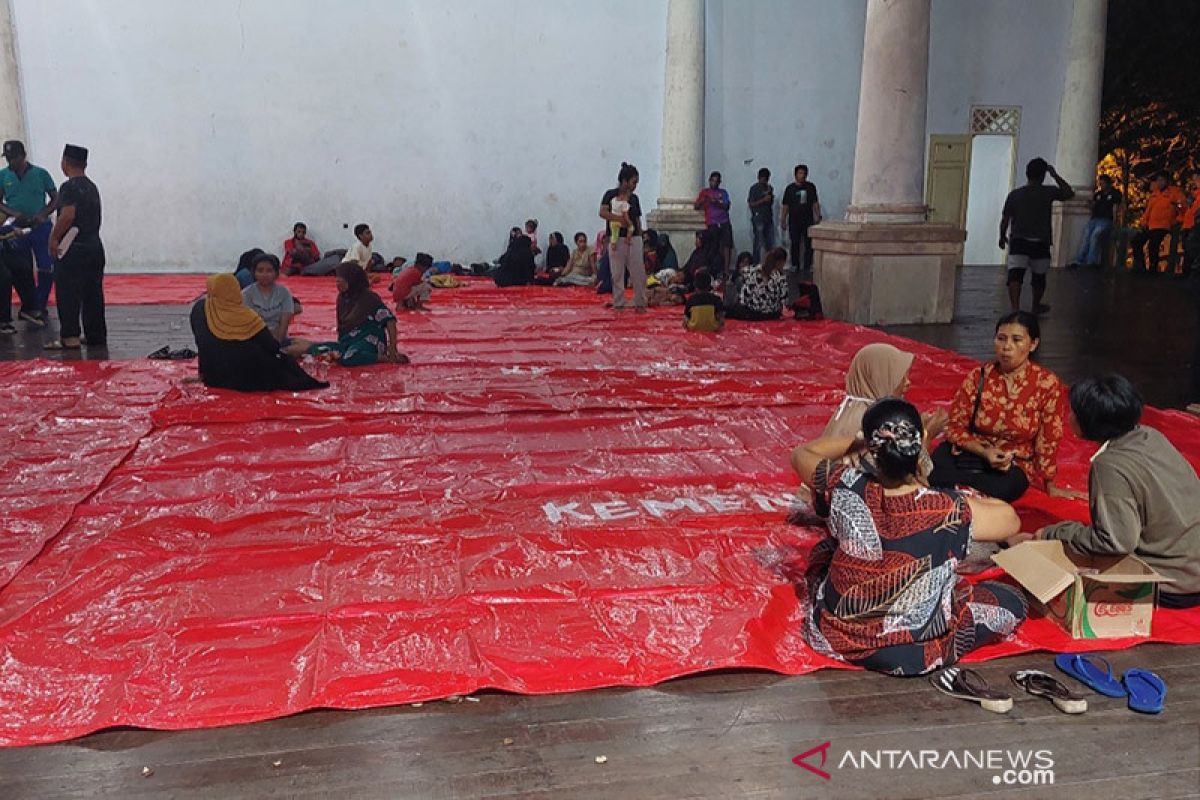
(161, 353)
(1043, 684)
(59, 344)
(967, 684)
(1147, 691)
(1092, 671)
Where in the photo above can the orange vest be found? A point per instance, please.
(1189, 216)
(1160, 210)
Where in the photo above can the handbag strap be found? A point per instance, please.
(978, 399)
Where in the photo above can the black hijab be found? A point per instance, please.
(358, 302)
(516, 266)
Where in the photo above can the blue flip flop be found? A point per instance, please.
(1146, 690)
(1085, 669)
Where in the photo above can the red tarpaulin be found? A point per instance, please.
(551, 497)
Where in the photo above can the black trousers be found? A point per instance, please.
(16, 271)
(1191, 249)
(947, 473)
(79, 276)
(801, 245)
(1139, 241)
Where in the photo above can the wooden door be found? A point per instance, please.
(946, 184)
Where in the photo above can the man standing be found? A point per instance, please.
(29, 194)
(75, 241)
(1191, 231)
(800, 210)
(715, 202)
(1106, 201)
(1025, 229)
(762, 214)
(1162, 209)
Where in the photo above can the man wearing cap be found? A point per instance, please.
(79, 271)
(28, 193)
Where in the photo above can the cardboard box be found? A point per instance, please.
(1090, 597)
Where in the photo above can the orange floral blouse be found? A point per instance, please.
(1024, 417)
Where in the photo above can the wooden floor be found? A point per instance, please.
(729, 735)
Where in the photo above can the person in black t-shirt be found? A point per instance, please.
(79, 267)
(1105, 203)
(622, 211)
(800, 210)
(1025, 229)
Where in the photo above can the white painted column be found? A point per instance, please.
(1079, 113)
(683, 105)
(889, 154)
(12, 110)
(1079, 124)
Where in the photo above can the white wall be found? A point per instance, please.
(782, 89)
(214, 126)
(1009, 53)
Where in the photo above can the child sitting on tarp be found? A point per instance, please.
(665, 288)
(410, 289)
(704, 310)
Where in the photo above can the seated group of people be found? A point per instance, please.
(883, 589)
(242, 334)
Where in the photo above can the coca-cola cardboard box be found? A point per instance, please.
(1090, 597)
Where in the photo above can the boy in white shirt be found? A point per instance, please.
(360, 253)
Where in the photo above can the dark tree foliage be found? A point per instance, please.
(1150, 117)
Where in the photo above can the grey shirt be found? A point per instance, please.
(1145, 500)
(765, 212)
(270, 307)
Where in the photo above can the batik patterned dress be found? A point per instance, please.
(366, 344)
(883, 588)
(1022, 413)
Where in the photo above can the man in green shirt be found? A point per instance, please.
(28, 193)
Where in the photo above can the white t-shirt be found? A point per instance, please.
(359, 253)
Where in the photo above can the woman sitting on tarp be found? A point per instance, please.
(244, 271)
(707, 257)
(882, 587)
(236, 350)
(1006, 420)
(516, 266)
(366, 326)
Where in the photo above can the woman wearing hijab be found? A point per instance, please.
(667, 259)
(236, 349)
(366, 326)
(878, 371)
(516, 266)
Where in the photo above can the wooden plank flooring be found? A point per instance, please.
(726, 735)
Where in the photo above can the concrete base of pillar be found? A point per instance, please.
(880, 274)
(681, 222)
(1069, 219)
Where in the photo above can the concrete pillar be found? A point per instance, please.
(885, 264)
(12, 109)
(1079, 123)
(889, 152)
(683, 127)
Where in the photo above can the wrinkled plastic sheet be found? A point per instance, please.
(551, 497)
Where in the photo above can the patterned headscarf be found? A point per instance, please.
(903, 435)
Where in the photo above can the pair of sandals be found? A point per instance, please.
(165, 353)
(1145, 691)
(967, 684)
